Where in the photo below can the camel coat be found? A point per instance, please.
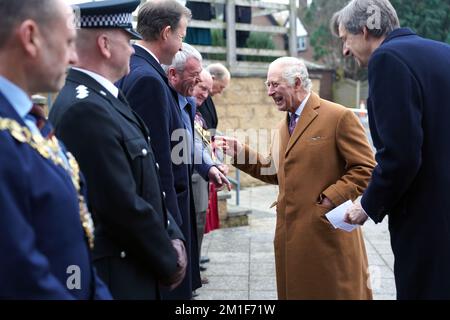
(327, 154)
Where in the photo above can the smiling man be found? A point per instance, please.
(321, 158)
(408, 108)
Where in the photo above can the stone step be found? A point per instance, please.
(236, 217)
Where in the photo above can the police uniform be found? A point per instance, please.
(45, 228)
(132, 249)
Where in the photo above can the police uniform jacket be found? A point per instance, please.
(147, 89)
(132, 246)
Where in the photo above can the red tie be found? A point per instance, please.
(38, 113)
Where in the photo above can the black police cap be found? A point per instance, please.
(115, 14)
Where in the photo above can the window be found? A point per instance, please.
(301, 44)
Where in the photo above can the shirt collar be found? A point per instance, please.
(299, 110)
(108, 85)
(151, 53)
(18, 98)
(182, 101)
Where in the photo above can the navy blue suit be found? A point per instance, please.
(147, 90)
(409, 112)
(41, 234)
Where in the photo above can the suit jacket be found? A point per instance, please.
(41, 234)
(408, 117)
(327, 154)
(209, 113)
(132, 245)
(147, 89)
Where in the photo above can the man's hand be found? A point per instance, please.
(356, 215)
(176, 279)
(327, 203)
(230, 146)
(218, 178)
(223, 168)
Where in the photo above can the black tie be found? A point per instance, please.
(122, 98)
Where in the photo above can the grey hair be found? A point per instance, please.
(218, 71)
(293, 68)
(15, 12)
(378, 16)
(180, 59)
(156, 15)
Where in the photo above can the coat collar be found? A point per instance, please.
(140, 52)
(82, 78)
(308, 115)
(400, 32)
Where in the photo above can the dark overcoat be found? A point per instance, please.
(409, 112)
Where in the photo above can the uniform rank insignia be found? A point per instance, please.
(82, 92)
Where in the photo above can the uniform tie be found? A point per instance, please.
(37, 113)
(292, 123)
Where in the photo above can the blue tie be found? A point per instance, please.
(292, 123)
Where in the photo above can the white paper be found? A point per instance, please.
(336, 217)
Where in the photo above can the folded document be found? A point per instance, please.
(336, 217)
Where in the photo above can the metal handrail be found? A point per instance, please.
(237, 183)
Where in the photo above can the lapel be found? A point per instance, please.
(80, 78)
(307, 116)
(139, 52)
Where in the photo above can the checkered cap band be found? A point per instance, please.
(108, 20)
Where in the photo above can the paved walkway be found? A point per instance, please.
(242, 260)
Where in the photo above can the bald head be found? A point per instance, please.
(203, 89)
(221, 77)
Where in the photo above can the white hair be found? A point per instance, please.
(218, 71)
(294, 68)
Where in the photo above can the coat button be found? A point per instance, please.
(164, 194)
(157, 165)
(123, 254)
(144, 152)
(168, 223)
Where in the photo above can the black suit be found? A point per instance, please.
(132, 245)
(209, 114)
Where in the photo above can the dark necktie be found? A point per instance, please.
(122, 98)
(292, 123)
(38, 114)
